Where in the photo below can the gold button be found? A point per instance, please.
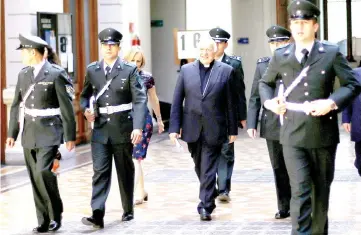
(306, 93)
(108, 119)
(306, 84)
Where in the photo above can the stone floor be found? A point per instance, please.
(173, 196)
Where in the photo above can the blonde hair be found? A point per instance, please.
(129, 56)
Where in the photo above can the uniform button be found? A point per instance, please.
(330, 117)
(306, 93)
(323, 72)
(107, 104)
(107, 96)
(285, 117)
(265, 115)
(128, 116)
(108, 119)
(285, 74)
(32, 97)
(45, 89)
(121, 88)
(51, 124)
(306, 84)
(33, 119)
(32, 105)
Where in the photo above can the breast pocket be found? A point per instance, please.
(120, 84)
(44, 90)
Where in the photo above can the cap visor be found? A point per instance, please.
(110, 42)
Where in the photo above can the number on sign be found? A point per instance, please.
(63, 43)
(196, 39)
(183, 42)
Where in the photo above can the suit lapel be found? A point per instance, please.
(197, 76)
(116, 68)
(291, 57)
(213, 77)
(43, 73)
(225, 59)
(316, 53)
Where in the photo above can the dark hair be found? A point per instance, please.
(52, 56)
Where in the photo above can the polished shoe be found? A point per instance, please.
(54, 225)
(128, 216)
(90, 221)
(140, 201)
(224, 197)
(41, 229)
(282, 214)
(205, 216)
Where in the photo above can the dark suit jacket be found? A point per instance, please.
(352, 114)
(125, 87)
(270, 124)
(241, 103)
(212, 112)
(326, 62)
(51, 91)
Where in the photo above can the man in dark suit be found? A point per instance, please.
(351, 121)
(226, 161)
(43, 107)
(207, 118)
(270, 124)
(309, 133)
(112, 89)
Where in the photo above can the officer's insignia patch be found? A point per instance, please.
(45, 83)
(236, 57)
(70, 90)
(263, 60)
(123, 79)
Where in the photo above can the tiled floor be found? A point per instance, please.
(173, 197)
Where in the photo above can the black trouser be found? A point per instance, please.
(358, 156)
(311, 173)
(205, 158)
(102, 155)
(282, 181)
(39, 162)
(225, 168)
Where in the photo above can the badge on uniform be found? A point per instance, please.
(70, 90)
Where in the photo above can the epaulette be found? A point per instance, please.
(236, 57)
(263, 60)
(128, 64)
(282, 46)
(92, 64)
(25, 68)
(57, 66)
(328, 43)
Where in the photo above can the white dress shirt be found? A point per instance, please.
(111, 66)
(298, 52)
(38, 67)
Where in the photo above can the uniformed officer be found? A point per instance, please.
(43, 108)
(226, 161)
(309, 133)
(112, 89)
(270, 124)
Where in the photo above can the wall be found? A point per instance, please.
(163, 66)
(251, 18)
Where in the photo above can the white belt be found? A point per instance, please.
(305, 107)
(115, 109)
(42, 112)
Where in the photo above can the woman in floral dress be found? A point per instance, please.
(136, 56)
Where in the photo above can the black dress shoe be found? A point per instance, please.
(224, 197)
(205, 216)
(54, 226)
(128, 216)
(41, 229)
(282, 214)
(90, 221)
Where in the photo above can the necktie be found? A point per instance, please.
(305, 57)
(31, 72)
(108, 72)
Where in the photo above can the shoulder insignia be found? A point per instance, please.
(235, 57)
(24, 68)
(128, 64)
(57, 66)
(263, 60)
(92, 64)
(70, 90)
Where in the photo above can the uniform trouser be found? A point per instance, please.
(311, 173)
(358, 156)
(39, 162)
(102, 155)
(282, 181)
(205, 158)
(225, 168)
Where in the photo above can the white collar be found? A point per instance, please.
(37, 67)
(110, 65)
(298, 52)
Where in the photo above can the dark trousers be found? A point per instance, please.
(39, 162)
(358, 156)
(102, 155)
(205, 158)
(311, 173)
(225, 168)
(282, 181)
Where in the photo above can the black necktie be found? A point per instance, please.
(305, 57)
(31, 72)
(108, 72)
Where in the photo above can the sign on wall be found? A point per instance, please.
(188, 41)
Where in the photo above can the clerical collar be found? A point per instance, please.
(202, 66)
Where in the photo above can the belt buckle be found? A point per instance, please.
(110, 109)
